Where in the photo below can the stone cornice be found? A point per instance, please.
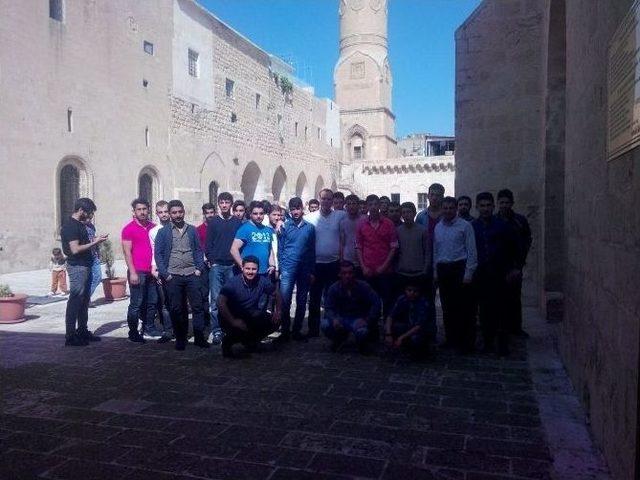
(369, 110)
(442, 163)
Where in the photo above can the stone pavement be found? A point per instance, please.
(117, 410)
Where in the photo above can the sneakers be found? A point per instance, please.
(227, 351)
(136, 338)
(88, 336)
(51, 294)
(152, 331)
(216, 338)
(75, 341)
(165, 338)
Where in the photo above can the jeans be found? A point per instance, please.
(358, 326)
(383, 285)
(218, 276)
(326, 274)
(288, 279)
(204, 288)
(142, 303)
(514, 306)
(78, 304)
(490, 290)
(179, 288)
(163, 309)
(259, 325)
(96, 276)
(417, 343)
(457, 306)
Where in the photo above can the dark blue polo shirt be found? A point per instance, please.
(248, 299)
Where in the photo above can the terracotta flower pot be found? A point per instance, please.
(114, 288)
(12, 308)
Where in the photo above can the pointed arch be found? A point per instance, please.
(73, 180)
(279, 185)
(319, 185)
(214, 175)
(251, 183)
(303, 189)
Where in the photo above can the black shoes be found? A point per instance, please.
(165, 339)
(136, 338)
(181, 344)
(199, 340)
(88, 336)
(75, 340)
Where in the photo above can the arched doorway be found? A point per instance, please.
(303, 190)
(69, 189)
(279, 185)
(250, 184)
(213, 192)
(149, 185)
(319, 185)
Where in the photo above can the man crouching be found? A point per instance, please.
(351, 306)
(245, 305)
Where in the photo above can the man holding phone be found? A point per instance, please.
(77, 247)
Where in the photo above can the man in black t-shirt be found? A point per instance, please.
(77, 247)
(244, 306)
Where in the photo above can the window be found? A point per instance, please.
(228, 88)
(357, 152)
(306, 131)
(257, 101)
(146, 136)
(69, 120)
(145, 82)
(319, 133)
(56, 10)
(295, 129)
(145, 187)
(279, 122)
(148, 47)
(234, 117)
(395, 197)
(69, 190)
(194, 69)
(357, 147)
(423, 201)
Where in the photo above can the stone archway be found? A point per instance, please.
(279, 185)
(251, 183)
(214, 176)
(303, 189)
(149, 185)
(319, 185)
(73, 181)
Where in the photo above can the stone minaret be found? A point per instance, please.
(363, 83)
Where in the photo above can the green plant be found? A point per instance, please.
(286, 86)
(107, 256)
(5, 291)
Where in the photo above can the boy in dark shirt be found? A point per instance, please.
(77, 247)
(244, 307)
(410, 326)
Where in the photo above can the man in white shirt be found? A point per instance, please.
(327, 224)
(162, 212)
(454, 262)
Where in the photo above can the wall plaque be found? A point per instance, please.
(623, 86)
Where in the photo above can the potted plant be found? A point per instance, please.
(11, 305)
(115, 288)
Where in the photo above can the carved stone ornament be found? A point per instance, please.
(356, 4)
(377, 5)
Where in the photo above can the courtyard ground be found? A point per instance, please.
(116, 410)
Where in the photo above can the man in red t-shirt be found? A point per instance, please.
(377, 244)
(136, 246)
(208, 212)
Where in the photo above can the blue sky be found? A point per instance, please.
(421, 49)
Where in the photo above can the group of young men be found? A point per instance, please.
(368, 268)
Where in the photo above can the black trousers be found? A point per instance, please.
(179, 288)
(259, 325)
(490, 289)
(326, 274)
(457, 306)
(513, 297)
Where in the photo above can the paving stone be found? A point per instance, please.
(347, 465)
(143, 438)
(277, 456)
(92, 451)
(85, 470)
(35, 442)
(229, 469)
(89, 431)
(398, 471)
(19, 465)
(291, 474)
(467, 461)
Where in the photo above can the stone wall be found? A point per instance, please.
(136, 113)
(500, 112)
(601, 329)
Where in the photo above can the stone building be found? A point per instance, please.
(533, 98)
(160, 99)
(371, 161)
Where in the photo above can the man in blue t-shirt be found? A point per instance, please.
(253, 238)
(246, 310)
